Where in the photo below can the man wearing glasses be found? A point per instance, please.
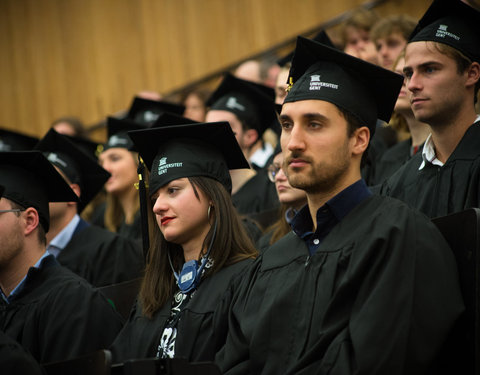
(51, 312)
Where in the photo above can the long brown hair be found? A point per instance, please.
(230, 245)
(280, 227)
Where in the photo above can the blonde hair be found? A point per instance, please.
(114, 215)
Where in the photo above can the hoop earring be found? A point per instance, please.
(208, 212)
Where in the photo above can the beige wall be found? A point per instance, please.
(89, 57)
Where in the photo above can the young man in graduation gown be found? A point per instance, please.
(442, 71)
(363, 284)
(250, 110)
(101, 257)
(50, 311)
(13, 358)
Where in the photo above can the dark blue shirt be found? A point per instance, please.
(329, 215)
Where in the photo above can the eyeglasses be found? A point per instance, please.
(12, 210)
(272, 171)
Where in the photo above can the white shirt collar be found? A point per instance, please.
(63, 238)
(261, 156)
(428, 152)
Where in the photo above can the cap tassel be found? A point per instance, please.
(290, 84)
(143, 207)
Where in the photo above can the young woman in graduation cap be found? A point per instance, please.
(121, 212)
(198, 248)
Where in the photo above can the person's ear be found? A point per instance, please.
(31, 219)
(361, 138)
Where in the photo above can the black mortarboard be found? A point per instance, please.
(86, 145)
(451, 22)
(117, 133)
(1, 190)
(202, 149)
(14, 141)
(321, 37)
(365, 90)
(145, 111)
(79, 167)
(31, 181)
(169, 119)
(252, 103)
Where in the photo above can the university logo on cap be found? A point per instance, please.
(233, 103)
(317, 84)
(163, 166)
(4, 146)
(115, 140)
(442, 33)
(55, 159)
(150, 116)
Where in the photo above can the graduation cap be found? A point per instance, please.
(450, 22)
(250, 102)
(169, 119)
(31, 181)
(1, 190)
(202, 149)
(321, 37)
(79, 167)
(14, 141)
(145, 111)
(117, 133)
(365, 90)
(86, 145)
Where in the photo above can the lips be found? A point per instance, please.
(297, 163)
(418, 100)
(165, 220)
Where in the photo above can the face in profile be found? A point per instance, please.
(281, 86)
(402, 105)
(436, 88)
(181, 215)
(287, 194)
(123, 169)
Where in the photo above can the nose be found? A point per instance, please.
(159, 206)
(280, 176)
(413, 83)
(106, 165)
(383, 50)
(293, 140)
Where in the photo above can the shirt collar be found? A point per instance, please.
(428, 153)
(21, 284)
(340, 205)
(62, 239)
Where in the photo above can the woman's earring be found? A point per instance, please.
(208, 212)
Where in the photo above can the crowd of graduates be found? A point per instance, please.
(280, 224)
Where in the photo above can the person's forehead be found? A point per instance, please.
(417, 53)
(221, 115)
(395, 35)
(309, 107)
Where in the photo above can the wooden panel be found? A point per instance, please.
(89, 57)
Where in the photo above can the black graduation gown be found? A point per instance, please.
(102, 257)
(393, 159)
(132, 231)
(201, 330)
(256, 195)
(376, 149)
(58, 315)
(14, 360)
(439, 191)
(379, 296)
